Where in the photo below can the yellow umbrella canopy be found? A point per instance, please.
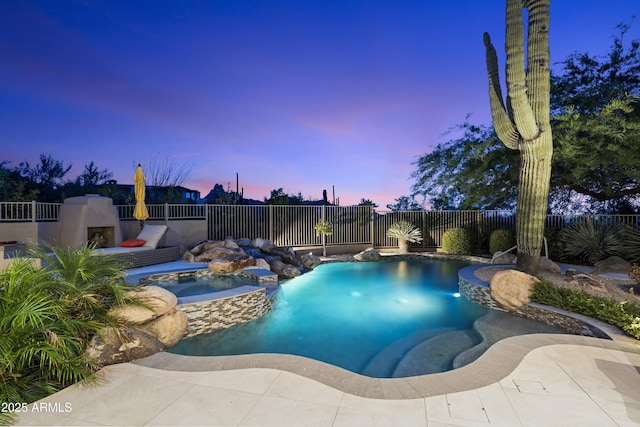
(140, 212)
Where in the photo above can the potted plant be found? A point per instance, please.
(405, 232)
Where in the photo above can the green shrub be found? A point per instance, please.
(47, 317)
(625, 315)
(457, 241)
(501, 240)
(591, 241)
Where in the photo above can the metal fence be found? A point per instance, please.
(290, 225)
(165, 211)
(28, 211)
(294, 225)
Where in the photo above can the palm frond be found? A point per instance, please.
(404, 230)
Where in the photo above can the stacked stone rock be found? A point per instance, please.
(230, 255)
(155, 325)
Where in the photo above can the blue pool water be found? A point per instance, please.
(191, 286)
(348, 313)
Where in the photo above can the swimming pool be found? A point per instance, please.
(376, 319)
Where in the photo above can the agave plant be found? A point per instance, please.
(405, 232)
(592, 241)
(631, 244)
(47, 316)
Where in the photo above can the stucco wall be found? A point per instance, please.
(39, 233)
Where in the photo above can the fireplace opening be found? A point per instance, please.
(101, 237)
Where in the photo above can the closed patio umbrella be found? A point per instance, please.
(140, 212)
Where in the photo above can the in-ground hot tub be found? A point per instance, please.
(213, 301)
(189, 285)
(198, 285)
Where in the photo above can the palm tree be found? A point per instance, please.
(51, 304)
(405, 232)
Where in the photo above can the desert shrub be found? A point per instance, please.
(630, 244)
(625, 315)
(47, 316)
(457, 240)
(501, 240)
(591, 241)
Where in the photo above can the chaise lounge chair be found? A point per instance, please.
(143, 250)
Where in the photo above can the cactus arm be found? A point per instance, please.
(523, 115)
(538, 75)
(503, 125)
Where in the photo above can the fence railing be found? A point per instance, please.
(165, 211)
(292, 225)
(28, 211)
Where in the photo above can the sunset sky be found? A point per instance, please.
(298, 94)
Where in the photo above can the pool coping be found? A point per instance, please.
(492, 366)
(495, 364)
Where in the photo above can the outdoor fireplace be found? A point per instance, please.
(88, 219)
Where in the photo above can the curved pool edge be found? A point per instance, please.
(494, 365)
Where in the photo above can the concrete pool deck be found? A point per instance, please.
(561, 381)
(529, 380)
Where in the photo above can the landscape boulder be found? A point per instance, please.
(368, 255)
(157, 301)
(229, 243)
(119, 345)
(310, 260)
(243, 242)
(197, 249)
(287, 256)
(263, 244)
(168, 328)
(225, 266)
(188, 256)
(285, 271)
(261, 263)
(512, 288)
(210, 244)
(221, 252)
(547, 265)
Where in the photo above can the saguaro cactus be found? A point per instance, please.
(522, 122)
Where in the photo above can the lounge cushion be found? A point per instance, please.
(152, 234)
(120, 250)
(133, 243)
